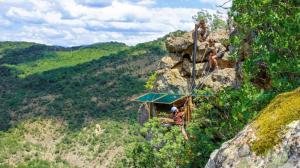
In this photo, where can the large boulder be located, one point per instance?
(219, 36)
(272, 140)
(202, 52)
(179, 44)
(171, 80)
(201, 55)
(218, 79)
(187, 68)
(170, 61)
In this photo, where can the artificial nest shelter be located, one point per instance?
(159, 105)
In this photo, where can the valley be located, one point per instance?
(70, 108)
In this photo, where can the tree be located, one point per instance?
(203, 15)
(214, 21)
(217, 23)
(272, 30)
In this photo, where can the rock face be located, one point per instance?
(284, 113)
(237, 152)
(176, 69)
(179, 44)
(219, 79)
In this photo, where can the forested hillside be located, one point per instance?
(70, 106)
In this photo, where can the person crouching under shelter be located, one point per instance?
(178, 119)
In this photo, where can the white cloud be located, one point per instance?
(77, 22)
(94, 3)
(20, 14)
(4, 22)
(42, 5)
(218, 2)
(146, 2)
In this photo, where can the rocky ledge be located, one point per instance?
(271, 141)
(175, 70)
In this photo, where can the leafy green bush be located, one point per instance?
(158, 146)
(37, 163)
(150, 83)
(271, 28)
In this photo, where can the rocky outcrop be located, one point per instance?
(237, 153)
(175, 70)
(170, 61)
(179, 44)
(219, 79)
(271, 141)
(172, 80)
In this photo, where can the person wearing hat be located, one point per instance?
(174, 109)
(178, 119)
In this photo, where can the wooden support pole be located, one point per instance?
(149, 111)
(189, 109)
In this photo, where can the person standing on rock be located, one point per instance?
(202, 31)
(178, 119)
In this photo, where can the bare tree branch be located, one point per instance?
(222, 6)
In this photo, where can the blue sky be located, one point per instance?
(80, 22)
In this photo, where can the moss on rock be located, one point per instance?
(282, 110)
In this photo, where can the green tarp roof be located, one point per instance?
(149, 97)
(159, 98)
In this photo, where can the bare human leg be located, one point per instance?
(210, 62)
(215, 62)
(184, 133)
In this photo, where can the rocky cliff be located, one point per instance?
(175, 70)
(272, 140)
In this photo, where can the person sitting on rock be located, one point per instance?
(213, 63)
(212, 55)
(202, 31)
(215, 52)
